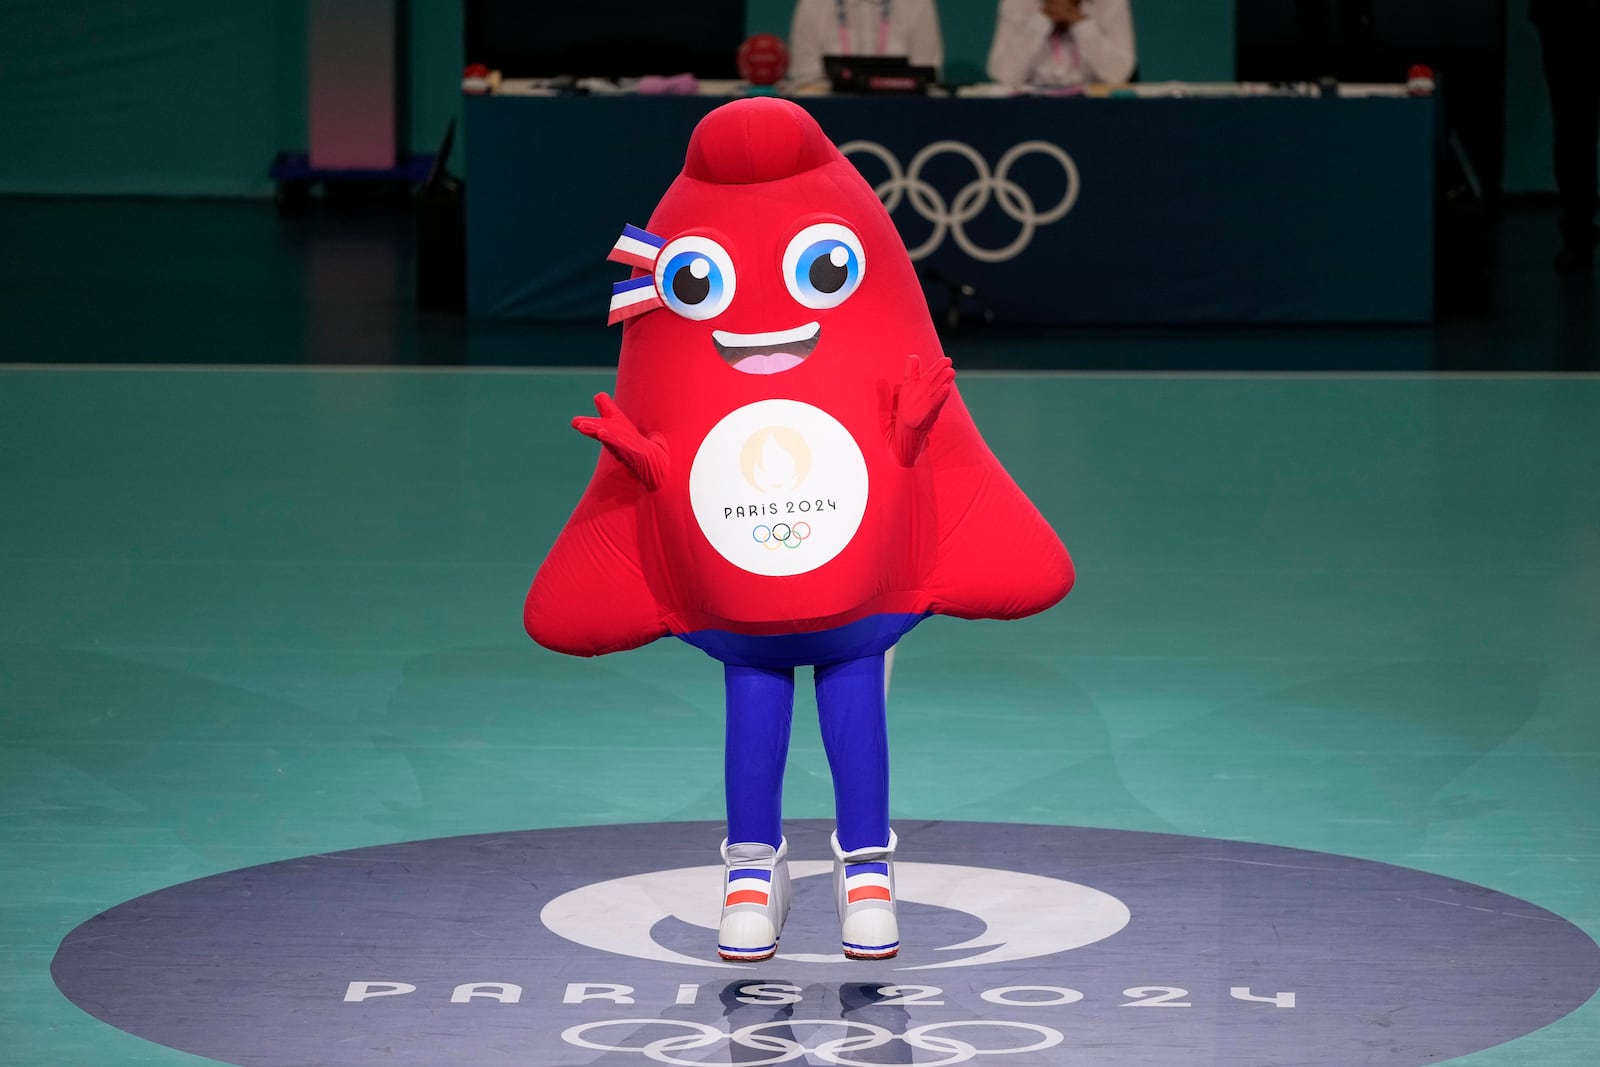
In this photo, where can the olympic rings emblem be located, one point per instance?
(781, 535)
(833, 1051)
(951, 217)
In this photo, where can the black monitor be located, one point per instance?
(605, 38)
(876, 74)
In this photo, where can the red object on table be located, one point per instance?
(763, 59)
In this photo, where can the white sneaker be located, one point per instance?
(755, 900)
(863, 882)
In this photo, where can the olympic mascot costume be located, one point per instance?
(788, 478)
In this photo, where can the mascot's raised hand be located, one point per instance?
(645, 456)
(917, 406)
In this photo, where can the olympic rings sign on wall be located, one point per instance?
(835, 1051)
(950, 217)
(781, 534)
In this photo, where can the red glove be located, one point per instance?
(645, 456)
(917, 407)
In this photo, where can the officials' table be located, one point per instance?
(1171, 206)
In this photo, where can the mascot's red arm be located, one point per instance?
(922, 396)
(645, 457)
(997, 558)
(590, 596)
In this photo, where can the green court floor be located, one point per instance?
(247, 615)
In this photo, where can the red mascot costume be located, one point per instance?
(788, 478)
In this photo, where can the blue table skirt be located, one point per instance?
(1197, 209)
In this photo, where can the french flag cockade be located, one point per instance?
(636, 248)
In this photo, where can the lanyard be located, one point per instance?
(1059, 51)
(842, 6)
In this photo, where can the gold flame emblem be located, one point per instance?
(775, 459)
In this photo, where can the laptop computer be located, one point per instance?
(876, 74)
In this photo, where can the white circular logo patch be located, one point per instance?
(778, 487)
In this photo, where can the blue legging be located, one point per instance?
(855, 736)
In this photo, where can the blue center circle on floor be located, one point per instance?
(1022, 945)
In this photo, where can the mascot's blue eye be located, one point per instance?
(694, 276)
(823, 265)
(826, 268)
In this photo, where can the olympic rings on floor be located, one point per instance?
(784, 1047)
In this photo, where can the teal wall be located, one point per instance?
(179, 97)
(436, 63)
(194, 97)
(1528, 166)
(169, 96)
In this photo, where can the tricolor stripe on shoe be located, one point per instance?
(866, 881)
(748, 885)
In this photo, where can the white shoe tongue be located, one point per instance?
(751, 852)
(768, 362)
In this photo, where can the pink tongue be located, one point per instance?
(765, 363)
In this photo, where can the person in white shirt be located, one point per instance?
(1051, 43)
(862, 28)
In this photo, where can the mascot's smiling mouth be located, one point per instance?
(767, 353)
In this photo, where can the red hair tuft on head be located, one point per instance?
(761, 139)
